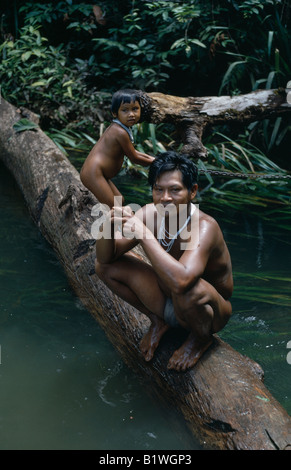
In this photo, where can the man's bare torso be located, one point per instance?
(218, 271)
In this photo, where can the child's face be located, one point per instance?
(129, 113)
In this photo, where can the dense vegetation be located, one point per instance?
(63, 59)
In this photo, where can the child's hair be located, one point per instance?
(171, 161)
(124, 96)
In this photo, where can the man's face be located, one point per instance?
(170, 192)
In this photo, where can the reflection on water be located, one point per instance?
(63, 386)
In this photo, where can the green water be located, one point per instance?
(62, 384)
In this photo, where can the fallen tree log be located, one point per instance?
(223, 398)
(192, 115)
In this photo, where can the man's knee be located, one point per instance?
(197, 296)
(193, 306)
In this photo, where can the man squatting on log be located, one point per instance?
(189, 281)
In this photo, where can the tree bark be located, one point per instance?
(223, 398)
(192, 115)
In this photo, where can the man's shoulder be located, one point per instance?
(208, 220)
(209, 228)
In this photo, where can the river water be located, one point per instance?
(63, 385)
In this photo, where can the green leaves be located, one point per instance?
(32, 71)
(267, 195)
(185, 45)
(266, 287)
(191, 48)
(24, 125)
(150, 39)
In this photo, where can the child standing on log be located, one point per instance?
(106, 158)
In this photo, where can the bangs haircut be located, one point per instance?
(171, 161)
(124, 96)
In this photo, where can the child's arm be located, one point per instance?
(141, 158)
(133, 155)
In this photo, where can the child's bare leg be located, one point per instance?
(103, 189)
(116, 192)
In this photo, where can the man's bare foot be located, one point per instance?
(151, 339)
(188, 354)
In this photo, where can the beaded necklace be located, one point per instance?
(163, 232)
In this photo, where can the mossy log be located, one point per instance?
(223, 398)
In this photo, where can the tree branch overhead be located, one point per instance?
(191, 115)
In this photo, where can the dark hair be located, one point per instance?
(124, 96)
(171, 161)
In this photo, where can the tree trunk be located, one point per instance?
(223, 398)
(192, 115)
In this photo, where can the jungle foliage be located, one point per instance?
(63, 59)
(190, 48)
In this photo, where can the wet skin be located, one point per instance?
(197, 277)
(106, 158)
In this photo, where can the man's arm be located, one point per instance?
(113, 245)
(178, 275)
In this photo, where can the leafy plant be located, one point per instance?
(37, 75)
(71, 141)
(137, 58)
(267, 61)
(257, 287)
(76, 144)
(24, 125)
(184, 48)
(25, 61)
(260, 183)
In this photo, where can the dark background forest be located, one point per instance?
(64, 59)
